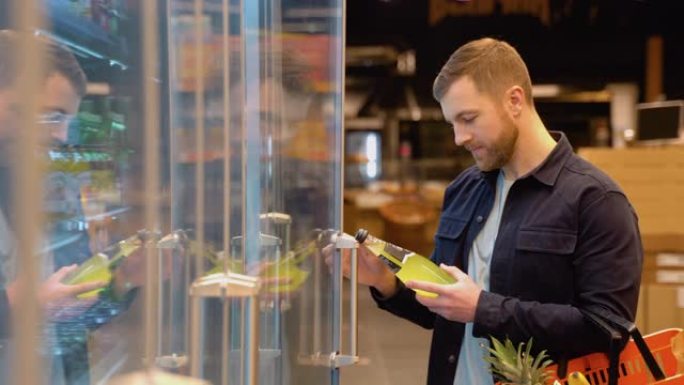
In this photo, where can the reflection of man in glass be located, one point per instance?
(65, 336)
(62, 91)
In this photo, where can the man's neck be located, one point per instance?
(533, 146)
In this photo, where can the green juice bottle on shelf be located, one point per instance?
(406, 265)
(99, 267)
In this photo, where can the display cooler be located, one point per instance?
(200, 181)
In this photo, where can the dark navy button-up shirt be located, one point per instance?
(568, 240)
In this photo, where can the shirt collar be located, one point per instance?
(547, 172)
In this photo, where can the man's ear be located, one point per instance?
(514, 101)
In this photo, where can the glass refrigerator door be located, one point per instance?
(196, 175)
(255, 109)
(76, 187)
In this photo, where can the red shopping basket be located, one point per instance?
(644, 360)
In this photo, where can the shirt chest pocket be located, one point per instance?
(449, 239)
(547, 241)
(543, 263)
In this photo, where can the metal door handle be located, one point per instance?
(343, 242)
(228, 286)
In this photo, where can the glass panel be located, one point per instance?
(310, 72)
(21, 259)
(157, 158)
(88, 196)
(293, 94)
(259, 191)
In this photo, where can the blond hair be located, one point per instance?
(493, 65)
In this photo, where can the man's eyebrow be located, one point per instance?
(464, 112)
(55, 109)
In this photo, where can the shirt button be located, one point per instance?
(452, 359)
(479, 219)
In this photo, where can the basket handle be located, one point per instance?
(609, 322)
(614, 347)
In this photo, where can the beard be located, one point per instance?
(499, 153)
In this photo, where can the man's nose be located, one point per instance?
(59, 132)
(461, 135)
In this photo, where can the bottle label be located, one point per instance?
(397, 252)
(393, 266)
(394, 256)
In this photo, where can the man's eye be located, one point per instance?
(54, 117)
(469, 119)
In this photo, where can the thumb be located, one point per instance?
(62, 273)
(454, 272)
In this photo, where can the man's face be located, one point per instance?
(480, 124)
(57, 105)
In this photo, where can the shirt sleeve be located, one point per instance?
(106, 309)
(403, 304)
(606, 274)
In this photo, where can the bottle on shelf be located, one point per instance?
(405, 264)
(100, 266)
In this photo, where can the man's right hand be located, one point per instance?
(57, 298)
(53, 290)
(371, 270)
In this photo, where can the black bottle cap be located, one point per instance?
(361, 235)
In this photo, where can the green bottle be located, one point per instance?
(405, 264)
(100, 266)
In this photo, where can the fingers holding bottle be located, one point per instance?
(371, 270)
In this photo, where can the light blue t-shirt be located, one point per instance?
(472, 368)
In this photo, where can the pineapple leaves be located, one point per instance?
(516, 365)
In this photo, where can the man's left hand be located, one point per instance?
(455, 302)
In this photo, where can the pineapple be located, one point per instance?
(515, 366)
